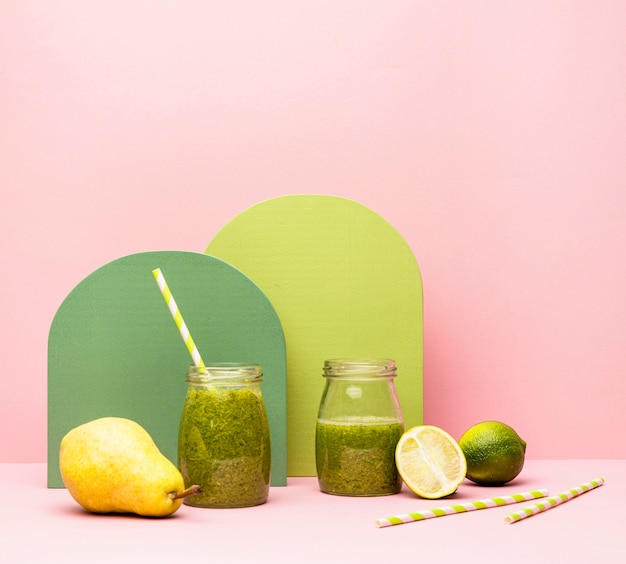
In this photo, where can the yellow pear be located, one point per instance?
(112, 465)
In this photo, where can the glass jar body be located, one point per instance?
(358, 427)
(224, 439)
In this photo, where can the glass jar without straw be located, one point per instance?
(358, 427)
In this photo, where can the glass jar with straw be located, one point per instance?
(224, 438)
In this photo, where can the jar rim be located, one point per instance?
(359, 368)
(225, 371)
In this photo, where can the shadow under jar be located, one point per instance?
(358, 427)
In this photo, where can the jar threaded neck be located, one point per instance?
(360, 368)
(225, 372)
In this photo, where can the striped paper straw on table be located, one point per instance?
(460, 508)
(178, 318)
(553, 501)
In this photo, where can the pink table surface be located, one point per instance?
(300, 524)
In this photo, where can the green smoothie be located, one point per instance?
(224, 446)
(356, 457)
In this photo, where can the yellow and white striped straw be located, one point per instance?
(553, 501)
(460, 508)
(178, 318)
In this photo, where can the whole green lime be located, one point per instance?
(494, 453)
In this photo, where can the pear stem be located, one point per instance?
(191, 490)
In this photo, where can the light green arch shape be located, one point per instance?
(344, 283)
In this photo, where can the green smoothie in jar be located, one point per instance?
(357, 457)
(224, 438)
(359, 424)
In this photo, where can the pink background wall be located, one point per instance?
(490, 134)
